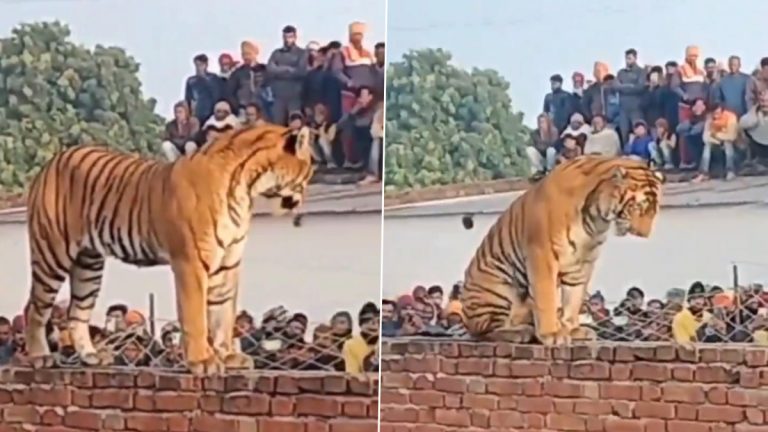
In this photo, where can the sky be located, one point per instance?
(164, 35)
(528, 41)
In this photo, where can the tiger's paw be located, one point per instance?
(43, 361)
(584, 334)
(212, 365)
(522, 334)
(559, 338)
(235, 360)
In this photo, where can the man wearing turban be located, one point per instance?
(246, 84)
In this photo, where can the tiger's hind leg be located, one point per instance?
(508, 321)
(49, 268)
(222, 310)
(85, 280)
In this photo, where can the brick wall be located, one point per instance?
(445, 386)
(145, 400)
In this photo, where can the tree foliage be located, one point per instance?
(55, 93)
(446, 125)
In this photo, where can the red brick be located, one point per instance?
(717, 395)
(619, 391)
(686, 426)
(122, 399)
(55, 396)
(81, 419)
(564, 422)
(624, 425)
(178, 424)
(506, 419)
(355, 409)
(20, 414)
(281, 406)
(593, 407)
(182, 402)
(81, 398)
(686, 411)
(504, 387)
(452, 417)
(590, 370)
(210, 423)
(567, 389)
(399, 414)
(528, 369)
(623, 409)
(535, 404)
(451, 384)
(689, 393)
(486, 402)
(349, 426)
(394, 397)
(476, 366)
(427, 398)
(755, 416)
(743, 397)
(713, 374)
(282, 425)
(245, 403)
(145, 422)
(723, 414)
(654, 410)
(396, 380)
(210, 402)
(317, 405)
(643, 371)
(5, 397)
(52, 416)
(423, 382)
(114, 421)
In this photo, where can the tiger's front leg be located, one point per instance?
(223, 291)
(542, 275)
(573, 300)
(191, 299)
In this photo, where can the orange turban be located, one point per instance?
(250, 46)
(133, 318)
(600, 70)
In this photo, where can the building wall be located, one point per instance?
(149, 400)
(441, 386)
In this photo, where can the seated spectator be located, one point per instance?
(133, 352)
(602, 140)
(172, 354)
(760, 328)
(325, 132)
(755, 126)
(253, 116)
(666, 142)
(637, 297)
(341, 322)
(424, 307)
(690, 132)
(246, 333)
(686, 322)
(542, 152)
(721, 130)
(572, 146)
(642, 145)
(322, 354)
(436, 296)
(180, 133)
(453, 315)
(577, 126)
(390, 323)
(222, 121)
(373, 172)
(360, 352)
(6, 341)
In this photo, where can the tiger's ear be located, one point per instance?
(660, 176)
(619, 175)
(298, 143)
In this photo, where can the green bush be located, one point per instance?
(446, 125)
(54, 93)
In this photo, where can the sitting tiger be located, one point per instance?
(532, 270)
(89, 203)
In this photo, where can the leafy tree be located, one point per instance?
(446, 125)
(54, 93)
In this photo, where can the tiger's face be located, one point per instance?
(286, 182)
(639, 195)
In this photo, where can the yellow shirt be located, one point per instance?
(761, 337)
(685, 324)
(355, 351)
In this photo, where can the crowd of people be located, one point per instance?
(336, 89)
(703, 314)
(675, 117)
(277, 342)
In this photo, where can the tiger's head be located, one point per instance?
(269, 160)
(287, 180)
(637, 194)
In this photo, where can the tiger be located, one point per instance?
(528, 277)
(89, 203)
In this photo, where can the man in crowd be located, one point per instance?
(6, 341)
(202, 90)
(245, 84)
(360, 352)
(732, 88)
(180, 133)
(379, 51)
(559, 104)
(630, 83)
(286, 68)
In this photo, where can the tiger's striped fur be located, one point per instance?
(534, 266)
(89, 203)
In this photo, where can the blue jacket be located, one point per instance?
(732, 92)
(640, 146)
(204, 91)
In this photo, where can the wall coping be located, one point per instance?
(270, 382)
(748, 355)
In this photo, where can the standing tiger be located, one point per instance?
(534, 266)
(89, 203)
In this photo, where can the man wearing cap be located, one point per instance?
(286, 68)
(687, 321)
(245, 84)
